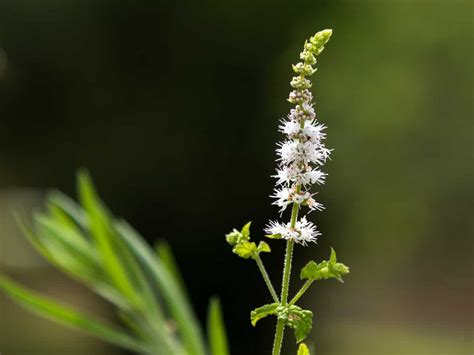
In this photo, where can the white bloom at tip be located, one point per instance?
(303, 233)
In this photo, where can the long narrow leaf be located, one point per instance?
(98, 286)
(68, 316)
(175, 299)
(216, 333)
(101, 232)
(166, 256)
(151, 318)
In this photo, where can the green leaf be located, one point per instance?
(263, 248)
(274, 236)
(301, 321)
(246, 232)
(141, 307)
(101, 231)
(233, 237)
(262, 312)
(68, 316)
(166, 255)
(49, 250)
(333, 258)
(70, 207)
(303, 349)
(310, 271)
(216, 329)
(245, 249)
(174, 297)
(325, 269)
(75, 243)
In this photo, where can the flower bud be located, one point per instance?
(319, 40)
(300, 83)
(233, 237)
(308, 57)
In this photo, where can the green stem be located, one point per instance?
(301, 292)
(266, 278)
(280, 329)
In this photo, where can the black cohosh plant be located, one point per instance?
(94, 247)
(300, 157)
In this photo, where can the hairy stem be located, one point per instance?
(280, 329)
(300, 292)
(266, 278)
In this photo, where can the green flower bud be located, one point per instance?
(308, 57)
(233, 237)
(309, 47)
(302, 68)
(300, 83)
(319, 40)
(340, 269)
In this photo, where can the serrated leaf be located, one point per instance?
(246, 232)
(263, 248)
(303, 349)
(218, 344)
(262, 312)
(310, 271)
(245, 249)
(325, 269)
(301, 321)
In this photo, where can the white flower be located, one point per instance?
(314, 132)
(300, 197)
(312, 177)
(286, 196)
(282, 197)
(288, 151)
(313, 205)
(303, 233)
(300, 155)
(290, 127)
(287, 174)
(302, 152)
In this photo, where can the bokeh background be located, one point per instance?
(173, 107)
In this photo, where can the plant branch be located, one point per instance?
(301, 292)
(262, 269)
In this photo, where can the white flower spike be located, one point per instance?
(302, 153)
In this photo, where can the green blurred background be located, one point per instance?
(173, 107)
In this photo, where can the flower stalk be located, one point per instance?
(266, 278)
(300, 157)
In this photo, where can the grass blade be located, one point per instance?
(101, 231)
(166, 256)
(171, 291)
(68, 316)
(216, 333)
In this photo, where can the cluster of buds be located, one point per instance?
(303, 152)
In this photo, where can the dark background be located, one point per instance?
(174, 107)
